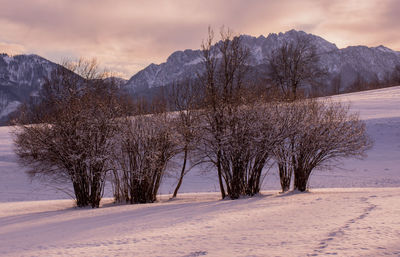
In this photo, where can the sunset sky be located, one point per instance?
(126, 36)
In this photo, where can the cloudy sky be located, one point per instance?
(127, 35)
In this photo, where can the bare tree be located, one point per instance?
(145, 145)
(185, 99)
(238, 132)
(222, 78)
(324, 132)
(250, 135)
(294, 64)
(76, 120)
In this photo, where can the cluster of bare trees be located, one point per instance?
(243, 131)
(84, 128)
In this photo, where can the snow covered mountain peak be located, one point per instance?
(348, 63)
(22, 75)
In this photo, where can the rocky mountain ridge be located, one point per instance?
(22, 75)
(347, 64)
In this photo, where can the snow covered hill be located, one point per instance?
(379, 108)
(356, 214)
(341, 222)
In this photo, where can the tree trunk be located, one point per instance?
(221, 184)
(182, 173)
(300, 180)
(285, 176)
(95, 192)
(81, 188)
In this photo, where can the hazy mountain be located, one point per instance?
(345, 65)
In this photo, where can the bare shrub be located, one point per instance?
(76, 120)
(144, 147)
(250, 135)
(321, 132)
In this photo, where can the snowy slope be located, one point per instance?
(379, 108)
(341, 220)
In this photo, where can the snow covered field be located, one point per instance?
(352, 210)
(343, 222)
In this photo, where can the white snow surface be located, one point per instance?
(351, 210)
(342, 222)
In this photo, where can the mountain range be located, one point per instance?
(346, 65)
(22, 75)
